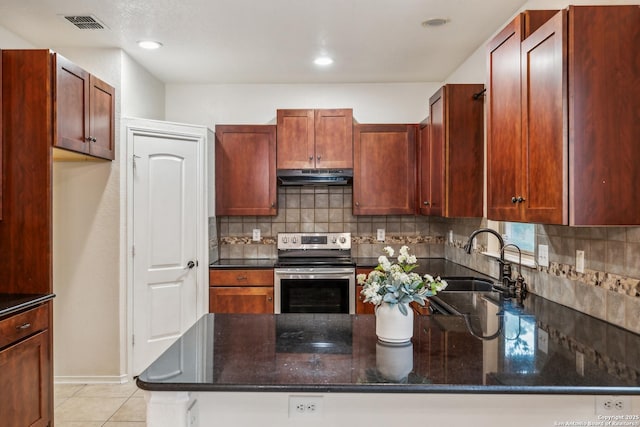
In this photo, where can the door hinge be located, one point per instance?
(133, 250)
(133, 339)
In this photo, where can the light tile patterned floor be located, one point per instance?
(99, 405)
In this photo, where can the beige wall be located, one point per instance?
(89, 308)
(89, 224)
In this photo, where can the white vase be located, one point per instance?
(391, 325)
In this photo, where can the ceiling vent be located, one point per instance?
(86, 22)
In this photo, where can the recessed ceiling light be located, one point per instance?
(323, 61)
(149, 44)
(435, 22)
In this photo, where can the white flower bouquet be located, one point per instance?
(395, 283)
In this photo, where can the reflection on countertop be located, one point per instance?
(538, 347)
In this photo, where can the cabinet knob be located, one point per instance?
(514, 199)
(310, 158)
(426, 203)
(269, 299)
(319, 157)
(357, 204)
(273, 205)
(520, 199)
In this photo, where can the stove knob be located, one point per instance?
(343, 239)
(284, 239)
(294, 239)
(334, 239)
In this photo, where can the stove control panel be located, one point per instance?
(290, 241)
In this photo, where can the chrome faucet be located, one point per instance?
(508, 285)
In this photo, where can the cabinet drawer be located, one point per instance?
(241, 277)
(24, 324)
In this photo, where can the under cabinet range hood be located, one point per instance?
(315, 176)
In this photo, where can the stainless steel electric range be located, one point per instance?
(314, 273)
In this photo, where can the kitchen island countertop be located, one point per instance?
(540, 348)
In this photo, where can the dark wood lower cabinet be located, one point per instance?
(241, 299)
(24, 381)
(241, 291)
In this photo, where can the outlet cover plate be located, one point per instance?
(380, 235)
(543, 255)
(579, 261)
(256, 234)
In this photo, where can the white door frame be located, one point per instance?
(130, 127)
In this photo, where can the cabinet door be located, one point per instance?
(437, 165)
(24, 375)
(504, 156)
(240, 299)
(384, 170)
(71, 106)
(245, 170)
(334, 139)
(296, 133)
(424, 170)
(604, 115)
(102, 119)
(545, 126)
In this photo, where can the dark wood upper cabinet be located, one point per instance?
(450, 153)
(604, 114)
(574, 151)
(504, 116)
(84, 111)
(384, 170)
(315, 139)
(246, 170)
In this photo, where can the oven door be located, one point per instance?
(314, 290)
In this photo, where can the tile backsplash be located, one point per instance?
(608, 289)
(326, 209)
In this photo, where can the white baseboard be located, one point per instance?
(91, 379)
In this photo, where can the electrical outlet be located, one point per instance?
(543, 341)
(380, 235)
(580, 261)
(580, 363)
(543, 255)
(451, 237)
(613, 405)
(305, 406)
(256, 234)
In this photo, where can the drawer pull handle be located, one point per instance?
(24, 326)
(239, 278)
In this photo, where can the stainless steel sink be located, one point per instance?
(467, 284)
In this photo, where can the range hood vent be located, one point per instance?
(315, 176)
(86, 22)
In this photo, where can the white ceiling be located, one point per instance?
(272, 41)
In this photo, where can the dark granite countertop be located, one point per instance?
(11, 303)
(498, 346)
(243, 263)
(434, 266)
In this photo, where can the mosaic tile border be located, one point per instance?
(608, 281)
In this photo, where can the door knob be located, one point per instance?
(190, 265)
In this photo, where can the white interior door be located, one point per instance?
(165, 242)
